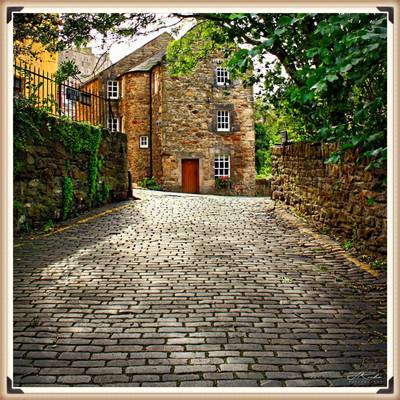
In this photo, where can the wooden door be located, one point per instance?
(190, 176)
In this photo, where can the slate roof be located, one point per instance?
(153, 60)
(148, 64)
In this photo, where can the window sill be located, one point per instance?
(225, 86)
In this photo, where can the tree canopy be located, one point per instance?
(56, 32)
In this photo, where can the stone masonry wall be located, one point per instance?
(343, 199)
(134, 105)
(38, 187)
(186, 129)
(263, 187)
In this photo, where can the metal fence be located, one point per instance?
(78, 101)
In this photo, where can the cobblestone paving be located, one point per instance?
(188, 290)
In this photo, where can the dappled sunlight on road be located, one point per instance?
(192, 288)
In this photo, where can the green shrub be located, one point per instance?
(149, 183)
(347, 245)
(48, 226)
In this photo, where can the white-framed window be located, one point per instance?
(222, 166)
(222, 76)
(144, 142)
(223, 121)
(112, 89)
(112, 124)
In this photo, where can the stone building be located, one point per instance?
(89, 64)
(191, 133)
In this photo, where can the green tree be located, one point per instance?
(266, 135)
(60, 31)
(268, 124)
(35, 28)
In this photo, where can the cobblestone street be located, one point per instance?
(193, 290)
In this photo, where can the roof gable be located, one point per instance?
(140, 56)
(148, 64)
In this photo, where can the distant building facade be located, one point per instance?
(191, 133)
(89, 64)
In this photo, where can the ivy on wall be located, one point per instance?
(81, 137)
(67, 195)
(36, 126)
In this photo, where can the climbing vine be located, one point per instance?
(67, 196)
(81, 137)
(36, 126)
(103, 194)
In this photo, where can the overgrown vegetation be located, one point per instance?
(268, 127)
(264, 139)
(48, 226)
(103, 193)
(379, 264)
(149, 183)
(33, 125)
(67, 196)
(347, 244)
(18, 209)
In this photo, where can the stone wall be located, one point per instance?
(185, 128)
(263, 187)
(343, 199)
(38, 185)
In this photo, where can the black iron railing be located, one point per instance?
(79, 101)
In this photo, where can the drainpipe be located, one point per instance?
(151, 123)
